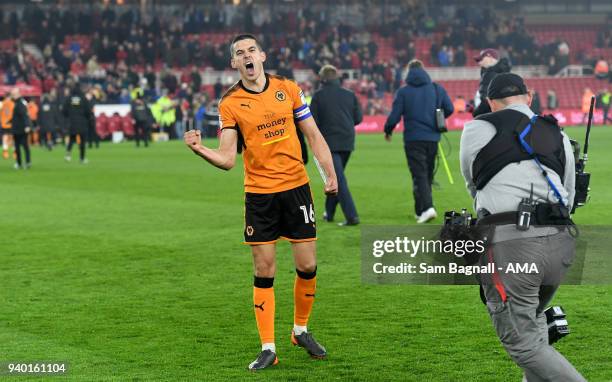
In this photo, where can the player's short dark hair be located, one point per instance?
(240, 37)
(415, 64)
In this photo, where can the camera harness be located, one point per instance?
(534, 156)
(520, 138)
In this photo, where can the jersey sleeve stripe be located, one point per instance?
(303, 116)
(303, 107)
(300, 114)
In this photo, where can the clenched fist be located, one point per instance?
(193, 139)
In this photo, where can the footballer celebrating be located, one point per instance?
(260, 114)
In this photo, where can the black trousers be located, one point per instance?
(141, 132)
(93, 137)
(81, 145)
(344, 196)
(47, 137)
(21, 140)
(421, 156)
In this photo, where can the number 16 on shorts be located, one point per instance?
(309, 215)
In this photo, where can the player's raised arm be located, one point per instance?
(321, 152)
(224, 157)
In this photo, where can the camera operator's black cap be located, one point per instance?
(506, 85)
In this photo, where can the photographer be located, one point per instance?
(417, 103)
(528, 202)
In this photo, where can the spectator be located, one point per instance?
(443, 57)
(218, 89)
(211, 119)
(416, 103)
(460, 59)
(196, 79)
(601, 69)
(459, 104)
(551, 100)
(124, 97)
(180, 117)
(200, 114)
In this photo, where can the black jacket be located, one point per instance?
(336, 111)
(142, 114)
(78, 113)
(20, 120)
(48, 116)
(486, 76)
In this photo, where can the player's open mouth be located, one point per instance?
(250, 68)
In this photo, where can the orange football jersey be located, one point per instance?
(267, 122)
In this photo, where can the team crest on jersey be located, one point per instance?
(280, 96)
(250, 230)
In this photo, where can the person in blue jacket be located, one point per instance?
(417, 103)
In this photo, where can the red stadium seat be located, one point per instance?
(114, 124)
(127, 125)
(102, 126)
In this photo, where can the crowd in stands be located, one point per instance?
(119, 49)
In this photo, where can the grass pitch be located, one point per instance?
(132, 268)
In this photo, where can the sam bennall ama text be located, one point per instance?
(453, 268)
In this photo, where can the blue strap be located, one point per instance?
(530, 151)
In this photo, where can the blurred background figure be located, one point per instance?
(32, 106)
(603, 102)
(460, 105)
(601, 69)
(143, 121)
(551, 100)
(79, 118)
(21, 128)
(48, 120)
(93, 139)
(6, 116)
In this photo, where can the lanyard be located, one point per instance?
(531, 152)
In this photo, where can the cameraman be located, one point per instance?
(500, 181)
